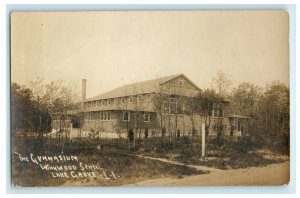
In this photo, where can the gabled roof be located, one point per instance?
(144, 87)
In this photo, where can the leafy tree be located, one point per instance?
(32, 108)
(245, 98)
(22, 108)
(205, 103)
(274, 112)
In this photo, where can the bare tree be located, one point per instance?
(168, 103)
(56, 99)
(222, 83)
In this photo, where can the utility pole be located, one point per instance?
(203, 142)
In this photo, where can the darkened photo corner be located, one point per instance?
(150, 98)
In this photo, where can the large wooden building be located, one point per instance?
(148, 109)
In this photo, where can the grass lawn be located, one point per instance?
(122, 169)
(229, 155)
(126, 169)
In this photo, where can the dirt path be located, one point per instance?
(198, 167)
(275, 174)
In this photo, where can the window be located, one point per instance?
(238, 124)
(180, 83)
(105, 116)
(88, 116)
(173, 108)
(146, 133)
(95, 116)
(103, 102)
(166, 108)
(126, 116)
(139, 98)
(130, 99)
(109, 102)
(179, 108)
(123, 100)
(221, 112)
(148, 96)
(146, 117)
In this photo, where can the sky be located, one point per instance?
(111, 49)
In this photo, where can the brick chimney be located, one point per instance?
(83, 91)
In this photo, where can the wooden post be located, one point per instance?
(203, 141)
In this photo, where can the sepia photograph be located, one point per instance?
(150, 98)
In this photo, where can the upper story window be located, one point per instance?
(180, 83)
(126, 116)
(123, 100)
(108, 101)
(140, 98)
(146, 117)
(130, 99)
(148, 96)
(103, 102)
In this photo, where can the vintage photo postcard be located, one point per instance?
(150, 98)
